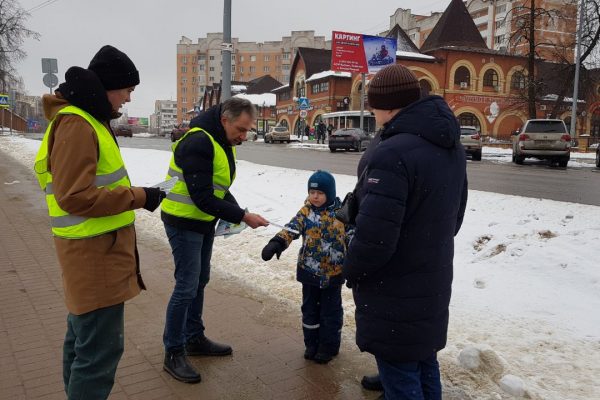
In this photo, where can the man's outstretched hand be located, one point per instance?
(254, 220)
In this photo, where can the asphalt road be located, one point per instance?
(534, 179)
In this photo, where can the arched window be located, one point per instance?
(425, 87)
(462, 77)
(469, 119)
(283, 123)
(518, 81)
(300, 88)
(490, 78)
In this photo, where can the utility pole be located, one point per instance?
(577, 66)
(226, 50)
(362, 100)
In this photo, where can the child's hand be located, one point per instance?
(274, 247)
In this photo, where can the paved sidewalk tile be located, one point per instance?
(267, 361)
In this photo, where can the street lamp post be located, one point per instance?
(577, 66)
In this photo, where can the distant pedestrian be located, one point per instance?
(321, 129)
(91, 201)
(400, 261)
(329, 130)
(319, 268)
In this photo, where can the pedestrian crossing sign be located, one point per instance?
(3, 101)
(303, 103)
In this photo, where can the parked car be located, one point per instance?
(277, 134)
(544, 139)
(470, 138)
(251, 135)
(123, 130)
(349, 139)
(179, 131)
(598, 156)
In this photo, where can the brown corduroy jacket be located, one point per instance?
(103, 270)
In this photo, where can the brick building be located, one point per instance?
(498, 21)
(199, 66)
(485, 88)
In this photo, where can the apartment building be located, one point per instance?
(498, 22)
(164, 118)
(199, 64)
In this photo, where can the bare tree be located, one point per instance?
(527, 19)
(13, 33)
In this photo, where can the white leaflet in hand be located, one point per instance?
(167, 185)
(225, 228)
(285, 228)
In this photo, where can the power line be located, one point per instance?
(41, 5)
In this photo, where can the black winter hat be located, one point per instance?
(393, 87)
(114, 68)
(325, 182)
(83, 89)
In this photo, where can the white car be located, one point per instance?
(470, 138)
(544, 139)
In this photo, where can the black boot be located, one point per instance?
(177, 365)
(203, 346)
(372, 382)
(309, 353)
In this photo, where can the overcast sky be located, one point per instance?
(149, 30)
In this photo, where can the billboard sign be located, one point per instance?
(137, 121)
(357, 53)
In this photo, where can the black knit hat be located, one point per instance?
(393, 87)
(114, 68)
(325, 182)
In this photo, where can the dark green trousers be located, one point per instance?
(91, 352)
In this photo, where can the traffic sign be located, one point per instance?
(303, 103)
(50, 80)
(303, 113)
(3, 101)
(49, 66)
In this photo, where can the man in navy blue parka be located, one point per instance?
(400, 262)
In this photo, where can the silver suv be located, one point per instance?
(544, 139)
(277, 134)
(470, 138)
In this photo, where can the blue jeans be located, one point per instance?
(91, 352)
(418, 380)
(322, 318)
(191, 252)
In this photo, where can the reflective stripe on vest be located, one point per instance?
(178, 201)
(110, 174)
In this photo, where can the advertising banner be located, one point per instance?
(356, 53)
(137, 121)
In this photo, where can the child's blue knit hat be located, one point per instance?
(325, 182)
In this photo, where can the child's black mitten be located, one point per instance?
(275, 247)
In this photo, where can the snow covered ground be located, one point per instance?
(524, 312)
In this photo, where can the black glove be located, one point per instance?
(275, 246)
(153, 198)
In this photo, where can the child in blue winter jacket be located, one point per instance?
(324, 244)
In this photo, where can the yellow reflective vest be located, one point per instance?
(178, 202)
(110, 173)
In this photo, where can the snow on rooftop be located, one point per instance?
(414, 55)
(554, 97)
(265, 99)
(326, 74)
(280, 87)
(238, 88)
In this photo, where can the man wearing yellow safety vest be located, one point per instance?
(204, 163)
(90, 201)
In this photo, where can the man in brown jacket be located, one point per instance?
(91, 203)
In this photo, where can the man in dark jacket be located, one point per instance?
(204, 161)
(399, 264)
